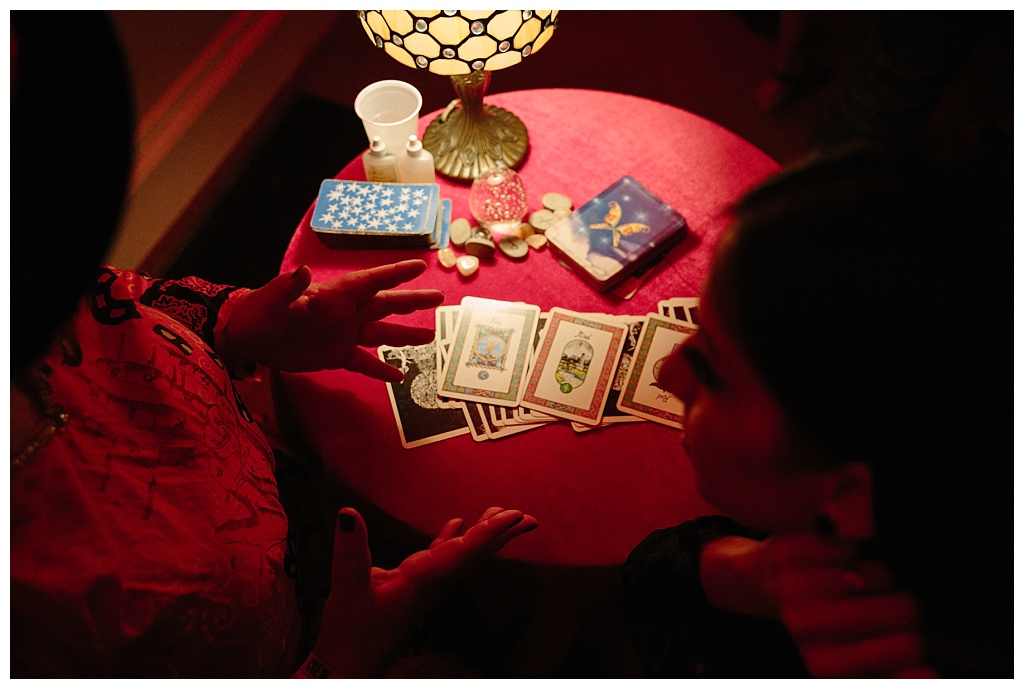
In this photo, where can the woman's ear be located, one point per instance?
(847, 500)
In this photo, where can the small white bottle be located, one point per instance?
(379, 165)
(417, 165)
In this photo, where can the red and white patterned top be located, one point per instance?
(147, 538)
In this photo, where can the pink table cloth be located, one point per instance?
(595, 494)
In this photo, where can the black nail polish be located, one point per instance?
(346, 522)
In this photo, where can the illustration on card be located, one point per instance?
(609, 233)
(490, 349)
(656, 369)
(573, 365)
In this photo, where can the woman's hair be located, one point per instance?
(873, 291)
(71, 152)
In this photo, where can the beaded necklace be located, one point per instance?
(55, 419)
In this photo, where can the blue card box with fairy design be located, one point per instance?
(619, 232)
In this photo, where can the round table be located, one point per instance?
(595, 494)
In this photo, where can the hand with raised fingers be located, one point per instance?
(293, 324)
(843, 612)
(372, 612)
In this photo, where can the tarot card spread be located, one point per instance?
(590, 369)
(575, 366)
(490, 352)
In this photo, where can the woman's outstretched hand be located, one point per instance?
(371, 612)
(293, 324)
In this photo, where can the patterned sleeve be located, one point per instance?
(202, 306)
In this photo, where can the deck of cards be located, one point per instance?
(617, 235)
(381, 215)
(498, 368)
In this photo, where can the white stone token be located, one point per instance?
(562, 213)
(542, 219)
(537, 241)
(513, 247)
(554, 201)
(468, 265)
(481, 247)
(459, 231)
(446, 257)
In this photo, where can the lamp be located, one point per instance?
(467, 45)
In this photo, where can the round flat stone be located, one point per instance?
(467, 265)
(446, 257)
(481, 231)
(542, 219)
(513, 247)
(554, 201)
(481, 247)
(459, 231)
(537, 241)
(562, 213)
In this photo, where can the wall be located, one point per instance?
(207, 85)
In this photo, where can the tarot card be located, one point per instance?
(439, 240)
(643, 395)
(497, 432)
(477, 423)
(496, 418)
(444, 319)
(414, 401)
(681, 308)
(490, 352)
(575, 366)
(612, 413)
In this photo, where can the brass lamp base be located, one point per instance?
(470, 137)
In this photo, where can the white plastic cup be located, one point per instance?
(390, 109)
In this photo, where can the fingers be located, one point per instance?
(454, 555)
(526, 525)
(851, 618)
(397, 302)
(362, 361)
(833, 581)
(874, 657)
(394, 334)
(301, 278)
(350, 569)
(496, 528)
(874, 636)
(490, 512)
(363, 284)
(449, 530)
(284, 289)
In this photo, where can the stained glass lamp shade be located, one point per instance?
(467, 45)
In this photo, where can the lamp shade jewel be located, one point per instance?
(465, 45)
